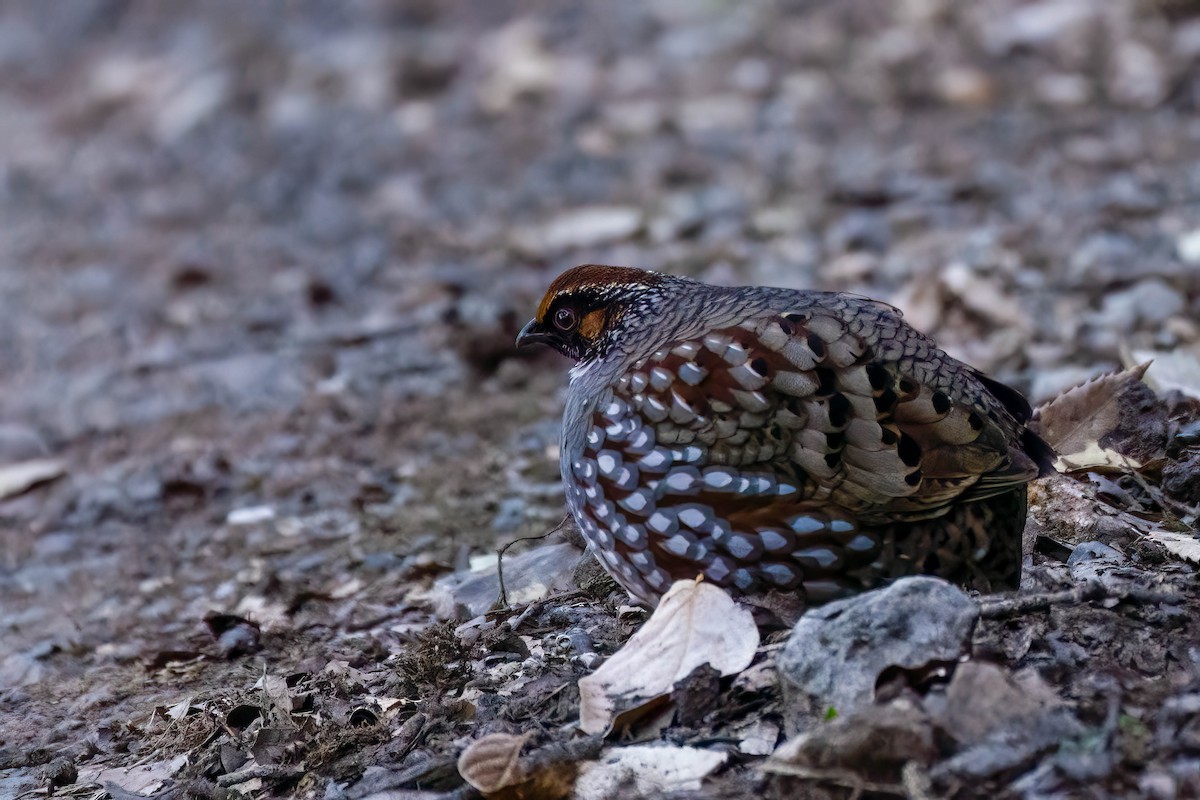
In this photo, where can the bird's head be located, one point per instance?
(587, 307)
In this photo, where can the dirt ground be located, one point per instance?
(261, 265)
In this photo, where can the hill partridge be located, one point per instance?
(772, 439)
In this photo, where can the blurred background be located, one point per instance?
(261, 263)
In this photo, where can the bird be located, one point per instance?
(779, 440)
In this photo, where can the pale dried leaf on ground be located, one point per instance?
(20, 477)
(1095, 457)
(653, 770)
(696, 623)
(145, 779)
(1184, 545)
(1075, 421)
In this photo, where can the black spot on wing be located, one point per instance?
(908, 450)
(941, 402)
(879, 376)
(817, 345)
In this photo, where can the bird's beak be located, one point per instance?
(531, 334)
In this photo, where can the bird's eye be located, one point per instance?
(565, 319)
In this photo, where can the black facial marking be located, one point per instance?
(759, 365)
(817, 345)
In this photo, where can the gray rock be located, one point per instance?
(837, 652)
(1152, 301)
(878, 741)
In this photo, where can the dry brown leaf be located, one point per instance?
(21, 477)
(276, 702)
(1184, 545)
(1075, 421)
(492, 763)
(495, 766)
(695, 623)
(871, 741)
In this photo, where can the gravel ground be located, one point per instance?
(261, 265)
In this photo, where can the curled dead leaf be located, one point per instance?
(1077, 422)
(695, 623)
(492, 763)
(1184, 545)
(21, 477)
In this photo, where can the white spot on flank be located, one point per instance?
(773, 541)
(716, 342)
(694, 518)
(607, 463)
(677, 544)
(717, 479)
(654, 459)
(660, 523)
(739, 546)
(680, 480)
(660, 379)
(692, 374)
(717, 571)
(635, 502)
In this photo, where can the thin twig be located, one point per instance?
(1084, 593)
(502, 600)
